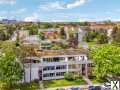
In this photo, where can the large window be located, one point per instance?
(60, 73)
(61, 67)
(49, 75)
(49, 68)
(53, 59)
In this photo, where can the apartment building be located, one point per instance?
(53, 64)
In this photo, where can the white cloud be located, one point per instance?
(55, 5)
(8, 2)
(76, 3)
(62, 5)
(32, 18)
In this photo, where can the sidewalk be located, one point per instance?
(87, 80)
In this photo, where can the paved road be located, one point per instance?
(85, 87)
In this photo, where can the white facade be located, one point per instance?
(54, 67)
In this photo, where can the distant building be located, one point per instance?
(79, 31)
(51, 33)
(7, 21)
(21, 34)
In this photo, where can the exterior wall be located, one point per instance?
(81, 34)
(34, 72)
(56, 69)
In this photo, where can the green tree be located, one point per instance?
(84, 24)
(107, 61)
(102, 38)
(11, 45)
(10, 69)
(56, 47)
(90, 36)
(41, 36)
(62, 33)
(23, 52)
(116, 35)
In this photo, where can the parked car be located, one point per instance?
(106, 86)
(95, 88)
(60, 89)
(75, 88)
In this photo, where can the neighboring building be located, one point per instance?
(53, 64)
(21, 34)
(101, 27)
(32, 39)
(51, 33)
(79, 32)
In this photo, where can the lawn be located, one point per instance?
(95, 81)
(62, 82)
(26, 86)
(91, 44)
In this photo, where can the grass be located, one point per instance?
(63, 82)
(91, 44)
(26, 86)
(95, 81)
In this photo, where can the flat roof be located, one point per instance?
(61, 52)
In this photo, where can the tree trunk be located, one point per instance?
(30, 68)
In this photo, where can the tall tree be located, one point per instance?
(62, 33)
(10, 69)
(107, 61)
(26, 51)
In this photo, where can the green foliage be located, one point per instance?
(10, 69)
(8, 45)
(41, 36)
(69, 76)
(84, 24)
(98, 37)
(62, 33)
(90, 36)
(107, 61)
(116, 35)
(102, 38)
(6, 31)
(56, 47)
(46, 25)
(26, 86)
(63, 83)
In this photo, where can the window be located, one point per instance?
(60, 73)
(49, 68)
(49, 75)
(61, 67)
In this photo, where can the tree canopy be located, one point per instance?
(107, 61)
(10, 68)
(116, 35)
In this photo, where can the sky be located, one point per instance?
(60, 10)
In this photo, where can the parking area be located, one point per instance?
(83, 87)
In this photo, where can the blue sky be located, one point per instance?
(60, 10)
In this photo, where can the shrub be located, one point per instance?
(69, 76)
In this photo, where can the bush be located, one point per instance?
(69, 76)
